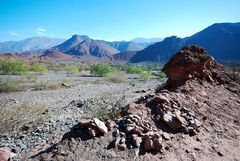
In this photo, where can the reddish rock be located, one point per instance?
(5, 154)
(161, 99)
(148, 144)
(85, 122)
(193, 62)
(110, 124)
(157, 144)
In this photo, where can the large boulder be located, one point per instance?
(193, 62)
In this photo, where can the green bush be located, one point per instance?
(145, 75)
(100, 69)
(72, 68)
(14, 67)
(39, 68)
(134, 70)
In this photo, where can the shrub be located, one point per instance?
(100, 69)
(117, 77)
(145, 75)
(72, 68)
(14, 67)
(39, 68)
(134, 70)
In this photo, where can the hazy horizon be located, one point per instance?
(111, 20)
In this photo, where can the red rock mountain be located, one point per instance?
(84, 46)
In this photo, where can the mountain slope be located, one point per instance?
(30, 44)
(220, 40)
(123, 46)
(84, 46)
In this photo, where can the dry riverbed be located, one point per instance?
(49, 105)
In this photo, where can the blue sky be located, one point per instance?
(112, 19)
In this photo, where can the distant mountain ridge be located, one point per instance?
(221, 40)
(123, 46)
(30, 44)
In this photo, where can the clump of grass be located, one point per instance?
(109, 114)
(32, 78)
(11, 85)
(14, 116)
(11, 66)
(39, 68)
(47, 85)
(117, 77)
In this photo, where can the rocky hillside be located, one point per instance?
(30, 44)
(220, 40)
(184, 119)
(84, 46)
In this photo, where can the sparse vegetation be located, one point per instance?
(14, 67)
(39, 68)
(134, 70)
(145, 75)
(105, 115)
(117, 77)
(47, 85)
(14, 116)
(100, 69)
(72, 68)
(11, 85)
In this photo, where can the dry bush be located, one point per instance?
(117, 77)
(14, 116)
(11, 85)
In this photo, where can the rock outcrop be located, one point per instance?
(193, 62)
(184, 118)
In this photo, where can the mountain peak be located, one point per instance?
(80, 37)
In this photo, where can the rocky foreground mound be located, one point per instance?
(194, 116)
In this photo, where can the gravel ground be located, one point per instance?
(62, 108)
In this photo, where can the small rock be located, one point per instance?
(85, 122)
(100, 125)
(172, 121)
(137, 141)
(110, 124)
(161, 99)
(220, 153)
(148, 144)
(122, 146)
(157, 144)
(166, 136)
(91, 132)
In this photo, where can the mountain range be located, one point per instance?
(30, 44)
(221, 40)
